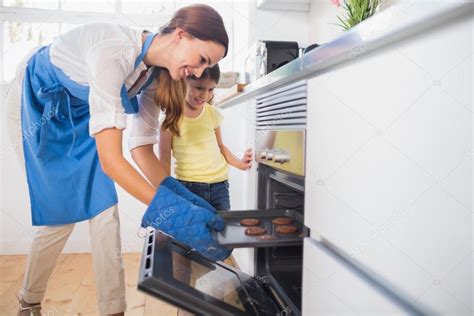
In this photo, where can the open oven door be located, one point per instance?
(170, 272)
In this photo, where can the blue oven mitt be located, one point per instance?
(178, 188)
(187, 222)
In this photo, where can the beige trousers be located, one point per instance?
(49, 241)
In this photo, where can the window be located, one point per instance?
(22, 37)
(164, 8)
(31, 4)
(25, 24)
(88, 5)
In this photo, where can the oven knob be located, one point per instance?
(281, 157)
(270, 155)
(263, 154)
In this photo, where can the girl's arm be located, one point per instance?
(243, 164)
(109, 148)
(166, 139)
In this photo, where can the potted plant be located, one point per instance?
(356, 11)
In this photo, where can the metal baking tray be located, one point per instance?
(233, 235)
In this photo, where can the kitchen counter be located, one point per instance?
(394, 24)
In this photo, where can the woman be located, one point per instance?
(75, 95)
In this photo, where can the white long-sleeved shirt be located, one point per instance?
(102, 56)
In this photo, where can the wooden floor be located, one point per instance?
(71, 288)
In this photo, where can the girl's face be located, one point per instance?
(199, 92)
(191, 55)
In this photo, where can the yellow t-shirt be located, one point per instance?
(197, 154)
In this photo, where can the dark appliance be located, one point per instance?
(271, 55)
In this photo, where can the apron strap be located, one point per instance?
(146, 46)
(153, 75)
(131, 104)
(127, 103)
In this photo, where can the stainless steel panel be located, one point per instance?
(282, 149)
(347, 46)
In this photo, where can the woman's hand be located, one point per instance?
(188, 218)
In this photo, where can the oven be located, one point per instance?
(281, 189)
(280, 153)
(183, 278)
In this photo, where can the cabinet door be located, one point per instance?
(331, 288)
(389, 159)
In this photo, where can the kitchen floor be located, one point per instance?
(71, 289)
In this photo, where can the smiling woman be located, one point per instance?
(75, 94)
(200, 47)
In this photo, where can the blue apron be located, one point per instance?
(65, 180)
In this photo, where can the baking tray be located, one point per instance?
(233, 235)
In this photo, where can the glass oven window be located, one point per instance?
(214, 281)
(170, 272)
(285, 197)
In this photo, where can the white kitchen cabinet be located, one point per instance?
(238, 133)
(389, 162)
(329, 288)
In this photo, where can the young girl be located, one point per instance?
(75, 94)
(201, 157)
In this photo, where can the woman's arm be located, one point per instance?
(166, 139)
(144, 133)
(242, 164)
(152, 168)
(109, 148)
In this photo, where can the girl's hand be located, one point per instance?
(245, 162)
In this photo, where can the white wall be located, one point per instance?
(278, 25)
(238, 133)
(16, 230)
(321, 18)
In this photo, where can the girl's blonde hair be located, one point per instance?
(170, 96)
(204, 23)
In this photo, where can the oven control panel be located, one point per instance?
(276, 155)
(281, 149)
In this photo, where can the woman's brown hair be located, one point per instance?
(204, 23)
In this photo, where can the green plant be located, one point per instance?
(356, 11)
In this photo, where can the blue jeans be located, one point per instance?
(217, 194)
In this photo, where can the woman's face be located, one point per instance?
(191, 55)
(198, 92)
